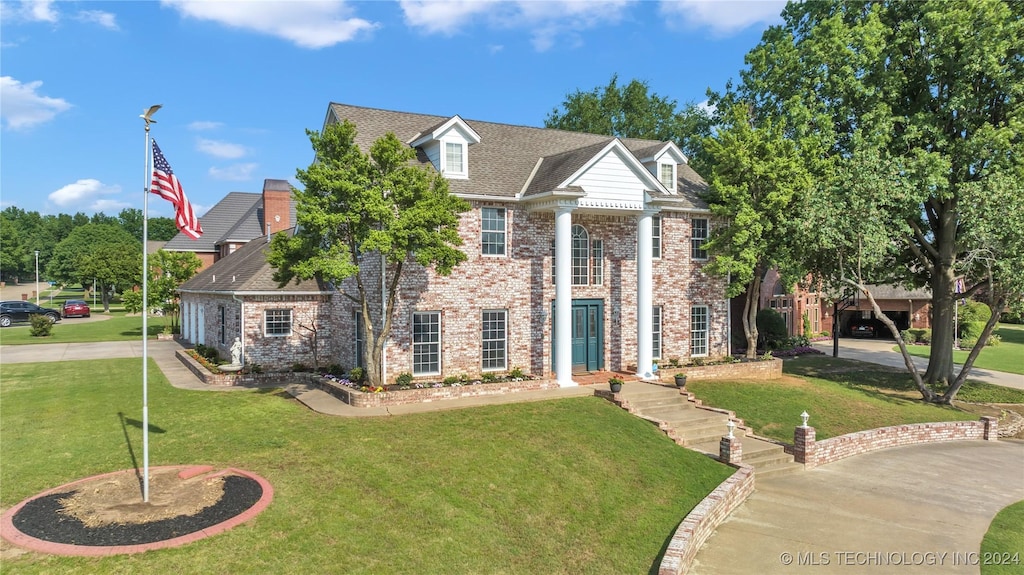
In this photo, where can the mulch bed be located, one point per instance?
(45, 518)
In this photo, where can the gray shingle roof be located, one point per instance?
(502, 162)
(246, 270)
(237, 209)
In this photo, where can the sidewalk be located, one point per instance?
(880, 351)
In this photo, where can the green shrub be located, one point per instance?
(923, 335)
(517, 373)
(336, 370)
(908, 336)
(464, 378)
(357, 374)
(404, 378)
(771, 328)
(300, 367)
(132, 301)
(450, 380)
(41, 325)
(807, 325)
(993, 340)
(208, 353)
(489, 377)
(972, 330)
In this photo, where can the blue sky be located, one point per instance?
(240, 82)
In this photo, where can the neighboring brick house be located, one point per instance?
(237, 219)
(589, 235)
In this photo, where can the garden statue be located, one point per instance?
(236, 352)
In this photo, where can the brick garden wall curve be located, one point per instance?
(761, 370)
(812, 453)
(702, 521)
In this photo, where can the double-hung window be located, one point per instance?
(698, 236)
(699, 330)
(656, 237)
(667, 175)
(597, 263)
(277, 322)
(426, 343)
(656, 332)
(494, 339)
(454, 160)
(492, 235)
(221, 325)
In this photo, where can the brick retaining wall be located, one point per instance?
(242, 379)
(813, 453)
(702, 521)
(760, 370)
(357, 398)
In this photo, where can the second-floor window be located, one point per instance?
(697, 239)
(667, 175)
(454, 163)
(492, 235)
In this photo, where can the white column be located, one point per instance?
(644, 296)
(563, 296)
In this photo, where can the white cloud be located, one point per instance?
(220, 149)
(82, 192)
(201, 125)
(308, 24)
(235, 173)
(23, 107)
(550, 21)
(31, 11)
(105, 19)
(723, 17)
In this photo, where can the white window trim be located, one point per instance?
(266, 331)
(656, 238)
(464, 173)
(504, 232)
(671, 186)
(658, 322)
(704, 240)
(706, 331)
(438, 344)
(504, 341)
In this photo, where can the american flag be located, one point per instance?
(166, 185)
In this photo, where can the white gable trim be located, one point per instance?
(649, 181)
(454, 123)
(670, 149)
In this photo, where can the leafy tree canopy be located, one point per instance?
(102, 252)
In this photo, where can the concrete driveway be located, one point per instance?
(917, 509)
(880, 351)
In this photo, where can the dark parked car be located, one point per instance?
(18, 311)
(864, 328)
(76, 308)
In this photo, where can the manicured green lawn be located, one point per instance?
(1007, 356)
(73, 330)
(841, 396)
(567, 486)
(1002, 548)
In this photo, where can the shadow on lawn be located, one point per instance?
(891, 385)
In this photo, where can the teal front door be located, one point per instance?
(587, 334)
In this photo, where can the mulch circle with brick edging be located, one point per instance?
(40, 524)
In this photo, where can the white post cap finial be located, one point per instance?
(804, 416)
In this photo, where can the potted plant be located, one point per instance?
(616, 384)
(680, 380)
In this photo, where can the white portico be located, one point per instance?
(612, 183)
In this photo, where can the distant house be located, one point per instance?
(595, 237)
(237, 219)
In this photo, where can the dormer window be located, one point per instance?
(454, 159)
(667, 175)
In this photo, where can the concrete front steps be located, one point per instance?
(700, 429)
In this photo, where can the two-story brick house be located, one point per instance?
(596, 237)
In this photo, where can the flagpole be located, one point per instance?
(147, 116)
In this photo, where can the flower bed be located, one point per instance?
(762, 369)
(358, 395)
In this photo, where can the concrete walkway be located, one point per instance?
(917, 509)
(880, 351)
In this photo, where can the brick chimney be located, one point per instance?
(277, 199)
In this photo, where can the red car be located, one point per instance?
(75, 308)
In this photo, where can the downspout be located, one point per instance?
(728, 315)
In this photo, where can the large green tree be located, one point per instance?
(168, 270)
(756, 180)
(918, 106)
(359, 208)
(631, 111)
(101, 252)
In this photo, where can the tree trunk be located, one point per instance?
(940, 358)
(750, 313)
(998, 307)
